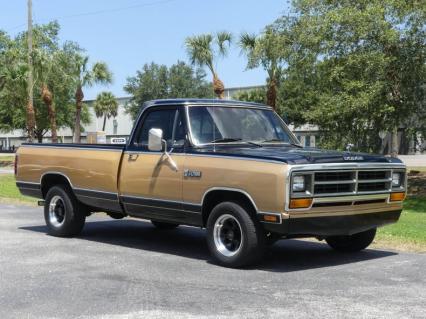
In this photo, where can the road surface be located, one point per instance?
(128, 269)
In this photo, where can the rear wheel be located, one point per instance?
(63, 214)
(352, 243)
(234, 238)
(163, 225)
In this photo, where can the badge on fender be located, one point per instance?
(189, 173)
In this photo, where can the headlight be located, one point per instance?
(298, 183)
(396, 179)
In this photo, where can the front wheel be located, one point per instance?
(234, 238)
(352, 243)
(63, 214)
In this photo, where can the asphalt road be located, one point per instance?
(128, 269)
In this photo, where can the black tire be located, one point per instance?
(116, 215)
(164, 225)
(234, 238)
(67, 218)
(352, 243)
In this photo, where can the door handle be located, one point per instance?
(133, 157)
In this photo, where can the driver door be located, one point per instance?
(149, 185)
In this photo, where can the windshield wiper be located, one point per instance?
(226, 140)
(282, 142)
(234, 139)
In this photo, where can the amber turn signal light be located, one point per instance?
(397, 197)
(270, 218)
(300, 203)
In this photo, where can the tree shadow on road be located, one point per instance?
(189, 242)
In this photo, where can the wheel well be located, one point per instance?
(50, 180)
(214, 197)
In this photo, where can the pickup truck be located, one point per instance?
(231, 167)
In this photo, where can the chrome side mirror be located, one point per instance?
(155, 139)
(156, 143)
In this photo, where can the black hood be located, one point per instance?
(292, 154)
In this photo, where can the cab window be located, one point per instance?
(170, 121)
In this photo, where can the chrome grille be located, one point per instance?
(352, 182)
(323, 183)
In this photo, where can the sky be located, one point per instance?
(126, 34)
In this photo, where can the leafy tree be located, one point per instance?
(86, 77)
(105, 105)
(47, 68)
(256, 95)
(357, 68)
(156, 81)
(204, 50)
(13, 80)
(53, 81)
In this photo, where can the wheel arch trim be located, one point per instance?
(45, 174)
(229, 189)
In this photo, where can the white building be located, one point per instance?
(119, 126)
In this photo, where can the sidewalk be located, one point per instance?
(413, 160)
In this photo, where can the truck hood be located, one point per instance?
(293, 155)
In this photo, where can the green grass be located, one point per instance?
(10, 193)
(409, 233)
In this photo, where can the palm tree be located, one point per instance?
(98, 74)
(106, 105)
(45, 65)
(202, 53)
(265, 50)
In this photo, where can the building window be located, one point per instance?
(115, 124)
(307, 141)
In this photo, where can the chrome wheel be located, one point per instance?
(56, 211)
(227, 235)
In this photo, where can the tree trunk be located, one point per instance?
(271, 94)
(218, 87)
(30, 121)
(79, 96)
(103, 127)
(39, 136)
(46, 96)
(394, 143)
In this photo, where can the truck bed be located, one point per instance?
(91, 170)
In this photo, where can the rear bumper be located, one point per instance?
(333, 225)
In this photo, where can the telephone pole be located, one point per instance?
(30, 105)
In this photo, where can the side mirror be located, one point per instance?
(155, 139)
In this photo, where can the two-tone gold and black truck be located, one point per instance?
(231, 167)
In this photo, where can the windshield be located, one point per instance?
(216, 124)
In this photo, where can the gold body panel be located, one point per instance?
(150, 175)
(85, 168)
(262, 181)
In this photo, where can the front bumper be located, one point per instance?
(333, 225)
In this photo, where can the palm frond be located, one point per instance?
(199, 49)
(101, 73)
(224, 40)
(247, 41)
(105, 105)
